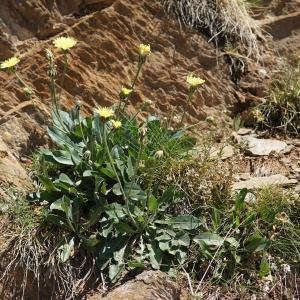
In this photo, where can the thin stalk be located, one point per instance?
(140, 64)
(80, 126)
(117, 176)
(21, 81)
(125, 100)
(136, 167)
(190, 95)
(63, 76)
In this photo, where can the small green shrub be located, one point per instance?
(281, 111)
(279, 218)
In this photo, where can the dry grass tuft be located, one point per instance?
(225, 21)
(30, 265)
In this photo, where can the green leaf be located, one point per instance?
(57, 220)
(215, 218)
(181, 239)
(257, 243)
(167, 196)
(60, 138)
(63, 204)
(115, 271)
(152, 204)
(130, 169)
(89, 242)
(240, 199)
(155, 255)
(184, 222)
(48, 184)
(94, 217)
(75, 157)
(115, 211)
(66, 249)
(117, 190)
(120, 254)
(88, 173)
(264, 267)
(66, 179)
(108, 172)
(209, 239)
(58, 156)
(136, 265)
(134, 191)
(124, 228)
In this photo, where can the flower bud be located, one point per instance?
(159, 154)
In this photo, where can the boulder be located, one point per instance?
(262, 147)
(261, 182)
(149, 285)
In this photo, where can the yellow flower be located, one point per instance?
(144, 50)
(116, 124)
(194, 81)
(64, 43)
(10, 63)
(125, 91)
(105, 112)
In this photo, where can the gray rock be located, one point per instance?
(146, 286)
(223, 152)
(261, 147)
(244, 131)
(244, 176)
(260, 182)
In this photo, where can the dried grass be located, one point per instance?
(225, 21)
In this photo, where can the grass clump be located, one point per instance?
(226, 22)
(281, 111)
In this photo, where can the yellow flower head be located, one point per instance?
(105, 112)
(125, 91)
(10, 63)
(64, 43)
(116, 124)
(194, 81)
(144, 50)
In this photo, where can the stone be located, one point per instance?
(222, 152)
(12, 174)
(288, 149)
(296, 169)
(262, 147)
(244, 176)
(244, 131)
(250, 198)
(149, 285)
(260, 182)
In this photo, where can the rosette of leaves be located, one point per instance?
(83, 189)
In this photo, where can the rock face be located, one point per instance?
(150, 285)
(12, 174)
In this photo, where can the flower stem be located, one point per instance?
(117, 176)
(139, 68)
(186, 104)
(63, 76)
